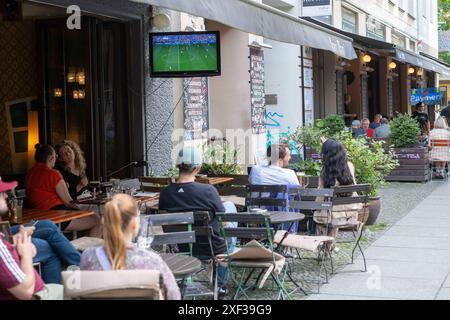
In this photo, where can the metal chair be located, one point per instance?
(154, 184)
(310, 200)
(443, 151)
(251, 256)
(350, 195)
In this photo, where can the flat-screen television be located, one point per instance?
(184, 54)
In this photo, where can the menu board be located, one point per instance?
(258, 96)
(195, 108)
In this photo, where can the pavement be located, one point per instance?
(411, 260)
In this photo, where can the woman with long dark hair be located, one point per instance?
(337, 170)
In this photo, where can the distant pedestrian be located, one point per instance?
(376, 122)
(383, 131)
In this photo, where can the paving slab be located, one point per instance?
(420, 232)
(416, 222)
(315, 297)
(383, 287)
(444, 294)
(398, 269)
(408, 255)
(397, 241)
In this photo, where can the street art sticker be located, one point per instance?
(258, 96)
(275, 134)
(195, 108)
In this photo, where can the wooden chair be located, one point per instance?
(112, 285)
(154, 184)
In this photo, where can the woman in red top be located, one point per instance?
(365, 124)
(46, 189)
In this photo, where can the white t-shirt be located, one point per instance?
(272, 175)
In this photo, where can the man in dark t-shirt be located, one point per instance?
(422, 118)
(186, 195)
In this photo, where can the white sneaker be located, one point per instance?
(336, 250)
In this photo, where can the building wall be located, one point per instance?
(18, 75)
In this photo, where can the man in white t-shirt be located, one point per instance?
(276, 173)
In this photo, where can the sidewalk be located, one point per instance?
(410, 261)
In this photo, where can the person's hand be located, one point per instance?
(84, 181)
(25, 248)
(72, 205)
(29, 230)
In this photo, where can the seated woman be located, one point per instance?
(121, 225)
(46, 189)
(336, 171)
(72, 165)
(441, 155)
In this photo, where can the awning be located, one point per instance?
(422, 61)
(263, 20)
(384, 48)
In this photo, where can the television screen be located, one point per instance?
(185, 54)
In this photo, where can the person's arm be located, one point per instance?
(25, 274)
(352, 171)
(83, 183)
(63, 194)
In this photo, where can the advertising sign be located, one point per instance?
(317, 8)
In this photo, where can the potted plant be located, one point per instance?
(220, 160)
(372, 165)
(413, 157)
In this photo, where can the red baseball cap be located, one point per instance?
(7, 186)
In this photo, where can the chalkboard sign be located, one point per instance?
(195, 108)
(258, 99)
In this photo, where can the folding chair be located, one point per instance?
(252, 255)
(439, 148)
(348, 196)
(154, 184)
(311, 200)
(112, 285)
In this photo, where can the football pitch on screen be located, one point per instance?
(198, 57)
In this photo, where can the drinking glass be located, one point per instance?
(146, 234)
(17, 209)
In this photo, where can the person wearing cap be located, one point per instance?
(357, 131)
(53, 248)
(186, 195)
(18, 278)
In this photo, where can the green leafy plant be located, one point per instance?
(307, 136)
(404, 131)
(173, 173)
(310, 167)
(220, 160)
(331, 126)
(372, 163)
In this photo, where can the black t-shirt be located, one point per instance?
(72, 179)
(423, 119)
(196, 196)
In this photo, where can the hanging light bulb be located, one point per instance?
(76, 95)
(57, 92)
(71, 77)
(81, 78)
(81, 94)
(392, 65)
(420, 72)
(367, 58)
(411, 70)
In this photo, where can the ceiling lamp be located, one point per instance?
(392, 65)
(71, 77)
(57, 92)
(411, 70)
(420, 72)
(367, 58)
(81, 78)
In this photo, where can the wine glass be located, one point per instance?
(146, 234)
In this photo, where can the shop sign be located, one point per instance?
(317, 8)
(429, 96)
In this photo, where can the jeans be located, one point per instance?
(53, 248)
(222, 272)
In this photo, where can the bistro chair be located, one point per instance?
(112, 285)
(351, 196)
(439, 148)
(252, 255)
(310, 200)
(154, 184)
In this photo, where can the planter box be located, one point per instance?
(414, 165)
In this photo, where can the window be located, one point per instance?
(412, 45)
(325, 19)
(398, 39)
(349, 21)
(375, 29)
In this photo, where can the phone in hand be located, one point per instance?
(32, 223)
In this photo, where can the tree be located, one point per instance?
(445, 56)
(444, 15)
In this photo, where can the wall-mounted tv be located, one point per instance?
(184, 54)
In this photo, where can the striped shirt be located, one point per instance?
(10, 273)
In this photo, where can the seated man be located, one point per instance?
(186, 194)
(18, 279)
(357, 131)
(276, 172)
(52, 246)
(383, 131)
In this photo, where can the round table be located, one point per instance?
(281, 217)
(181, 265)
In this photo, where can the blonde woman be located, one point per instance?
(72, 165)
(441, 155)
(120, 226)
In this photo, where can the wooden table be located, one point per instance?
(238, 201)
(56, 216)
(214, 180)
(150, 201)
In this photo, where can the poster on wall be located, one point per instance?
(195, 99)
(257, 92)
(429, 96)
(317, 8)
